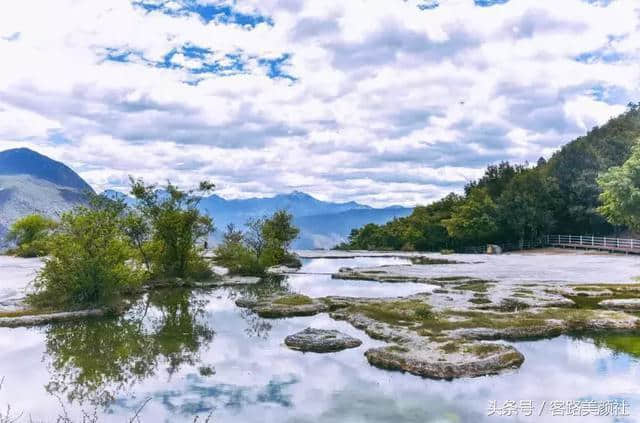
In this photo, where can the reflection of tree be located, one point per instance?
(271, 285)
(96, 359)
(619, 342)
(257, 327)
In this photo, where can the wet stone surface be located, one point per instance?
(321, 340)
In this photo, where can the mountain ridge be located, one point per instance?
(33, 183)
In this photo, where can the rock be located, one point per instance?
(494, 249)
(321, 340)
(41, 319)
(425, 360)
(621, 304)
(227, 280)
(284, 306)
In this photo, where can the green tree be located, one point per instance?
(474, 220)
(88, 263)
(279, 232)
(265, 243)
(176, 225)
(620, 195)
(235, 254)
(30, 235)
(525, 210)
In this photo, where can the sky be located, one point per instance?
(382, 102)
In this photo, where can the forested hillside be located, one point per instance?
(513, 203)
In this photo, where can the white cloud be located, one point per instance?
(390, 104)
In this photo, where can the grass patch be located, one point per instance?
(293, 300)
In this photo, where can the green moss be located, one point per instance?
(293, 300)
(430, 260)
(451, 278)
(511, 304)
(476, 285)
(450, 347)
(400, 312)
(480, 299)
(397, 348)
(482, 349)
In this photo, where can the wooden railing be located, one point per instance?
(594, 242)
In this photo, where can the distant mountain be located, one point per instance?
(323, 224)
(22, 161)
(327, 230)
(33, 183)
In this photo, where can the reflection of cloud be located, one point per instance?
(198, 397)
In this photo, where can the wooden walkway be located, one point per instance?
(618, 245)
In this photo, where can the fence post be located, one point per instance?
(580, 239)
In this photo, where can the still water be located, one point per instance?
(194, 353)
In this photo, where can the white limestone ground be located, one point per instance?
(543, 266)
(16, 277)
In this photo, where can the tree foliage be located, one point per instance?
(88, 258)
(166, 228)
(265, 243)
(30, 235)
(621, 192)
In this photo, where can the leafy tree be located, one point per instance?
(279, 232)
(88, 259)
(30, 235)
(236, 255)
(525, 210)
(176, 226)
(474, 220)
(266, 243)
(621, 192)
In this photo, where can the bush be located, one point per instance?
(30, 235)
(89, 260)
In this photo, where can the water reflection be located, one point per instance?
(195, 352)
(95, 360)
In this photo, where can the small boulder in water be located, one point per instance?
(321, 340)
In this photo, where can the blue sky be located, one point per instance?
(382, 102)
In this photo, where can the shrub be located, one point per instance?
(88, 263)
(30, 235)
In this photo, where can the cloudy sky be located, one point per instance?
(379, 101)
